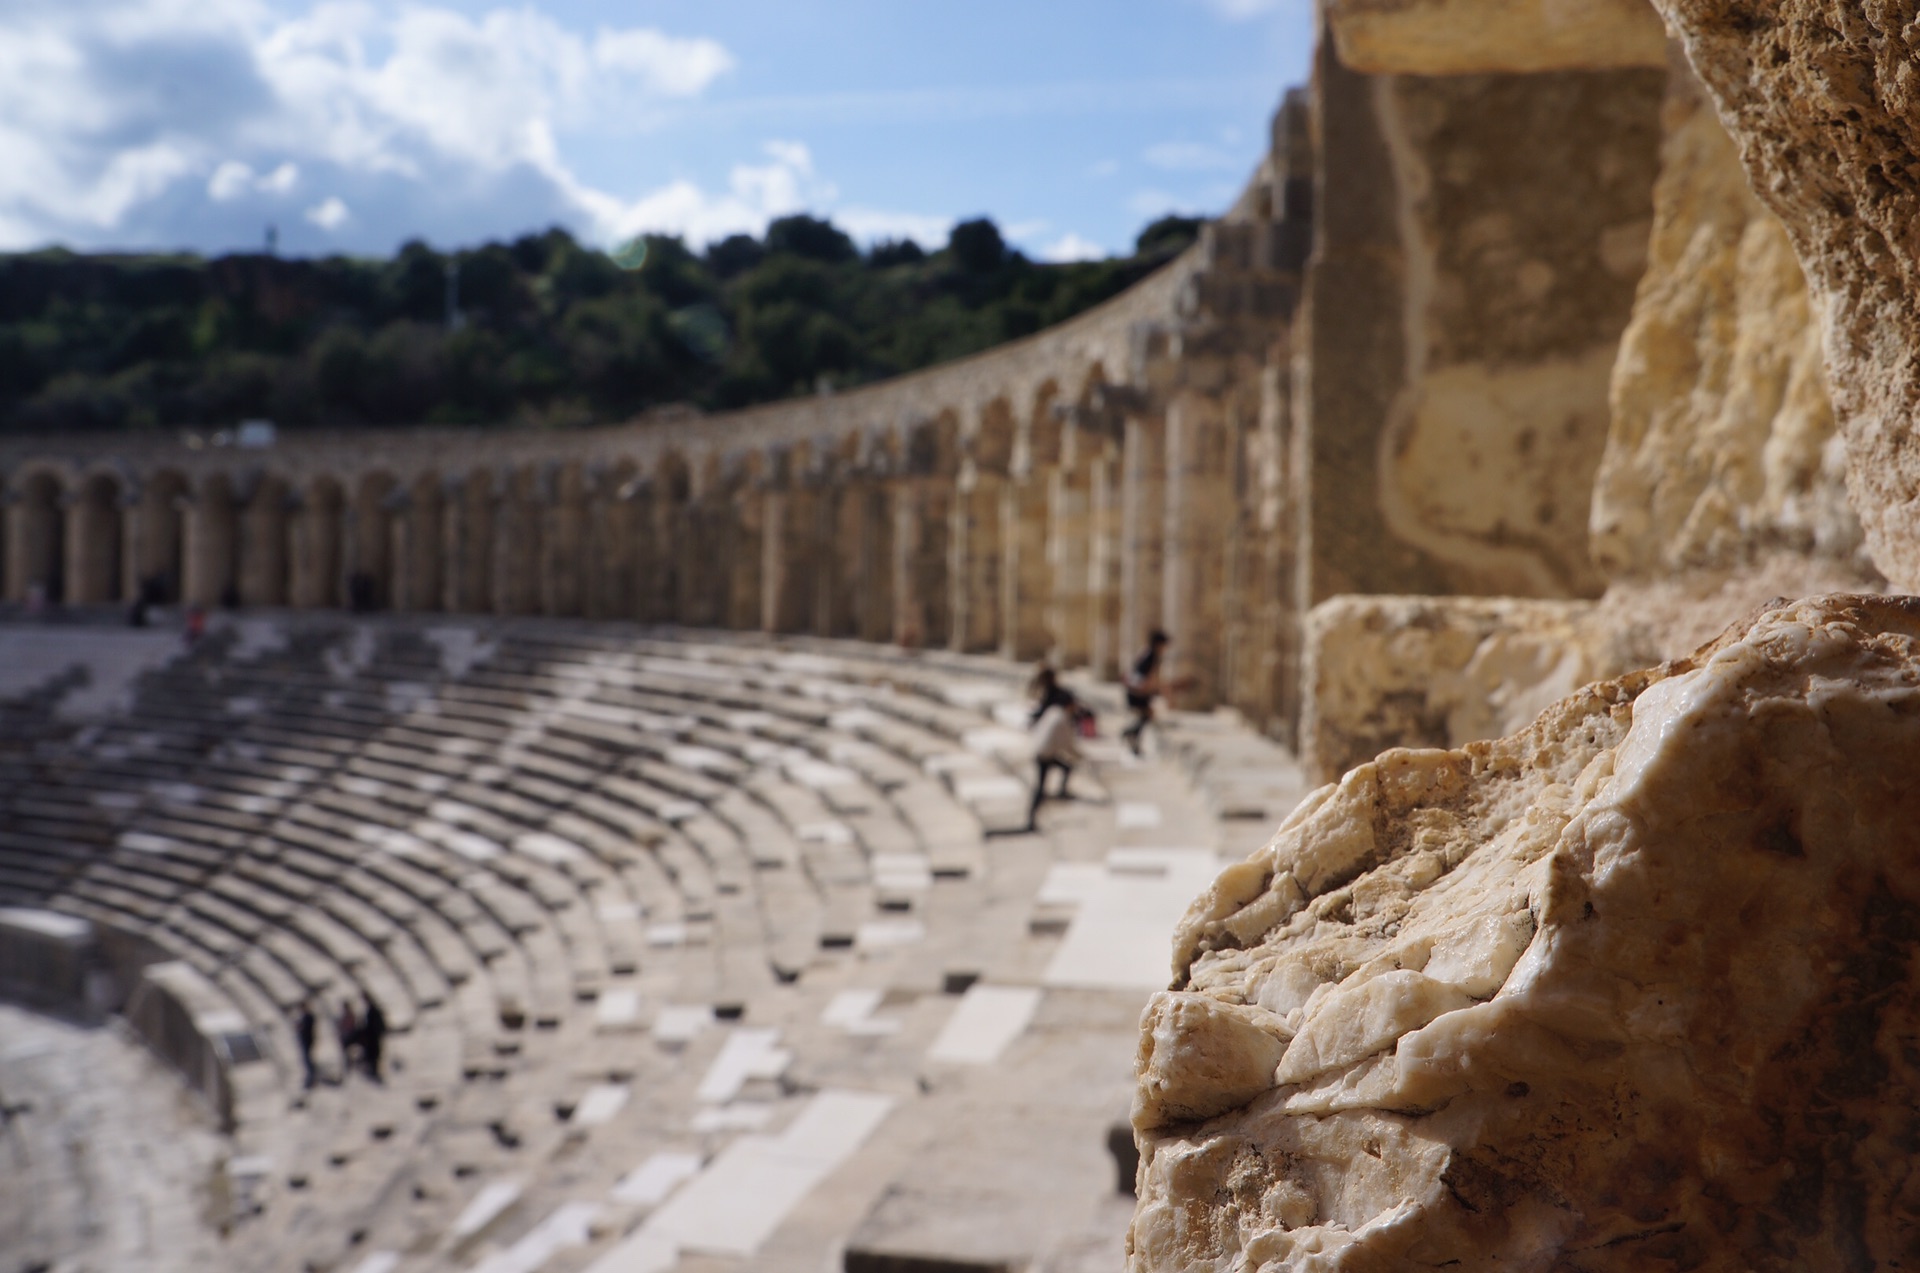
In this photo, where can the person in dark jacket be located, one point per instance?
(305, 1026)
(373, 1037)
(1143, 685)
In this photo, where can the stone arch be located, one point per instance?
(156, 538)
(265, 550)
(94, 541)
(377, 497)
(36, 537)
(1045, 423)
(212, 543)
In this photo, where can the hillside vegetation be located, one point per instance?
(541, 331)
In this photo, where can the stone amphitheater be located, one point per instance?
(668, 786)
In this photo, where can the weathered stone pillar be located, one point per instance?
(466, 539)
(1143, 542)
(563, 540)
(746, 551)
(93, 539)
(36, 527)
(318, 534)
(664, 565)
(867, 556)
(210, 543)
(1106, 550)
(1199, 502)
(263, 568)
(789, 548)
(517, 557)
(418, 544)
(1068, 543)
(611, 532)
(974, 545)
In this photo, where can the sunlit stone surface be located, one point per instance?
(1632, 988)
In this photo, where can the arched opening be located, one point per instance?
(93, 542)
(156, 539)
(263, 544)
(370, 554)
(36, 536)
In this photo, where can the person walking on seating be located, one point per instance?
(373, 1037)
(1055, 725)
(1142, 685)
(305, 1026)
(347, 1027)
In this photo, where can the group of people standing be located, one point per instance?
(1060, 720)
(361, 1033)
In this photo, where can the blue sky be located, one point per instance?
(354, 126)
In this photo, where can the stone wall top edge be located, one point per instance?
(1012, 372)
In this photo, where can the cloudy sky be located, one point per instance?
(355, 126)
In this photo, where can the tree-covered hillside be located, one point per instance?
(539, 331)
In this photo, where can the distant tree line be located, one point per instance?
(541, 331)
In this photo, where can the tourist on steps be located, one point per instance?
(347, 1027)
(1055, 725)
(1142, 685)
(304, 1028)
(373, 1037)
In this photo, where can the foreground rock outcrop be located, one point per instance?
(1637, 987)
(1824, 100)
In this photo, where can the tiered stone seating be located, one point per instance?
(531, 842)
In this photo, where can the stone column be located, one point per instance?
(1025, 631)
(1198, 503)
(745, 560)
(318, 534)
(1068, 612)
(263, 567)
(788, 584)
(976, 556)
(418, 544)
(563, 537)
(867, 556)
(1142, 506)
(93, 536)
(466, 538)
(517, 558)
(1108, 646)
(209, 546)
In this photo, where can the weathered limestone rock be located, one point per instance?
(1723, 446)
(1435, 672)
(1824, 100)
(1456, 37)
(1632, 988)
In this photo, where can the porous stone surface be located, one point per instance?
(1723, 446)
(1824, 100)
(1435, 671)
(1454, 37)
(1627, 989)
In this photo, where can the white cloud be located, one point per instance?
(1188, 156)
(870, 225)
(329, 214)
(420, 117)
(1105, 168)
(1072, 247)
(673, 68)
(234, 179)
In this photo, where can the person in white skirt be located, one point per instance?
(1055, 726)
